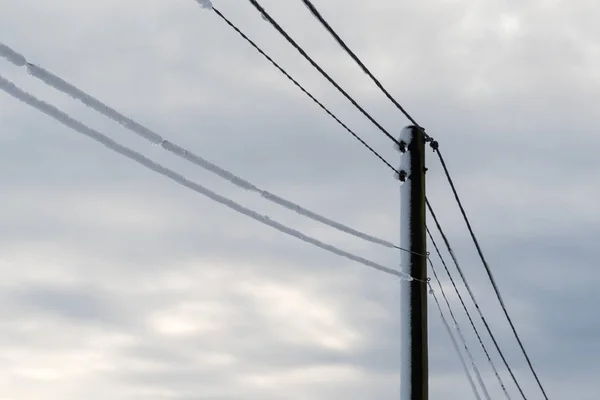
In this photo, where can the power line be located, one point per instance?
(489, 271)
(468, 287)
(11, 89)
(65, 87)
(295, 82)
(455, 344)
(459, 331)
(282, 31)
(315, 12)
(467, 312)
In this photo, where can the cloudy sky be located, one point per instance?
(118, 283)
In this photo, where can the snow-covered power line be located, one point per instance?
(12, 56)
(473, 299)
(95, 104)
(70, 122)
(459, 331)
(466, 310)
(205, 4)
(488, 270)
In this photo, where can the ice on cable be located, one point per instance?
(205, 4)
(12, 56)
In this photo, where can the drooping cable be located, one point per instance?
(48, 109)
(468, 287)
(460, 332)
(455, 344)
(489, 271)
(467, 312)
(67, 88)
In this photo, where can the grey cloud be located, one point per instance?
(80, 304)
(515, 116)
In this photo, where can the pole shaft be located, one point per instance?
(415, 371)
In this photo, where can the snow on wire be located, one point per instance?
(12, 56)
(205, 4)
(61, 85)
(83, 129)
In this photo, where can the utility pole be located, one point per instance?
(414, 379)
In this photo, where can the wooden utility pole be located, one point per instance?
(414, 342)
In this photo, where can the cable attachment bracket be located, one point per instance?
(402, 175)
(402, 146)
(434, 145)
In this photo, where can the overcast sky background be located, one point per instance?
(118, 283)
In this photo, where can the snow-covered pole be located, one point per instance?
(414, 358)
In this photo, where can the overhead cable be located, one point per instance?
(68, 121)
(489, 272)
(467, 312)
(468, 287)
(67, 88)
(460, 332)
(455, 344)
